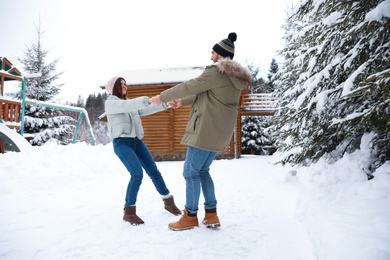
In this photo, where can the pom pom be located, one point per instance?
(232, 37)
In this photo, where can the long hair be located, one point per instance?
(117, 89)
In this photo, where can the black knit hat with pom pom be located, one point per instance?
(225, 48)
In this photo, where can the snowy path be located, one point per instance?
(66, 202)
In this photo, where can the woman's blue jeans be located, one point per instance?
(135, 155)
(197, 176)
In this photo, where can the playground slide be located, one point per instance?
(16, 142)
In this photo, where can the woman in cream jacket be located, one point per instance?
(125, 129)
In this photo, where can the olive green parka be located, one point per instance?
(214, 98)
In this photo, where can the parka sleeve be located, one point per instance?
(152, 108)
(192, 87)
(187, 101)
(118, 106)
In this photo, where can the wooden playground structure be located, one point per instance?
(12, 111)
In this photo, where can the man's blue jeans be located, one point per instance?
(197, 176)
(134, 155)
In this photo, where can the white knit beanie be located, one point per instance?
(110, 84)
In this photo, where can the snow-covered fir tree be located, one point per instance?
(42, 123)
(334, 83)
(273, 69)
(255, 137)
(258, 82)
(80, 102)
(95, 107)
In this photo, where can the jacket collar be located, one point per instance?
(234, 69)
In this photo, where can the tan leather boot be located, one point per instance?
(211, 220)
(131, 217)
(170, 206)
(185, 222)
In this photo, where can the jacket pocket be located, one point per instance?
(194, 124)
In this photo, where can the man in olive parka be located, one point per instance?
(214, 98)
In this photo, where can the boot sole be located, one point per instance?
(181, 229)
(176, 213)
(134, 224)
(217, 225)
(214, 225)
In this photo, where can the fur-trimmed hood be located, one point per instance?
(235, 71)
(214, 97)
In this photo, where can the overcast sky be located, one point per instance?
(96, 40)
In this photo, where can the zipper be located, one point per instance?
(195, 122)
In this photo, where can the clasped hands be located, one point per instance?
(156, 100)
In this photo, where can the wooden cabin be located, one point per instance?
(9, 109)
(164, 130)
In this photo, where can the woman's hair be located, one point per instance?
(117, 89)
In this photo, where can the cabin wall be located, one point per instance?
(164, 130)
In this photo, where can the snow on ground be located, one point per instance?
(66, 202)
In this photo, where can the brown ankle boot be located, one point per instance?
(131, 217)
(170, 206)
(211, 220)
(185, 222)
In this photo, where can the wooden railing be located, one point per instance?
(257, 103)
(10, 112)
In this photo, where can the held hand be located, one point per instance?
(171, 104)
(155, 100)
(175, 104)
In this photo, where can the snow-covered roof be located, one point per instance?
(160, 76)
(9, 72)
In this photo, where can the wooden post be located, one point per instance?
(6, 114)
(2, 77)
(238, 135)
(171, 131)
(1, 146)
(2, 85)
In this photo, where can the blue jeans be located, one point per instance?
(135, 155)
(197, 176)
